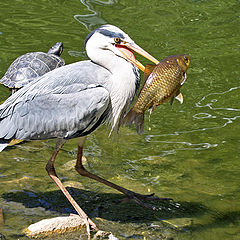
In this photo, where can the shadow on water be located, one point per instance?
(106, 205)
(126, 219)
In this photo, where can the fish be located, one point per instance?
(162, 83)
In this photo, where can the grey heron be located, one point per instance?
(72, 101)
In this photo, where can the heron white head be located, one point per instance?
(110, 47)
(115, 42)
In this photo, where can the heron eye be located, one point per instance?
(117, 40)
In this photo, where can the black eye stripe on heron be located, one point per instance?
(105, 32)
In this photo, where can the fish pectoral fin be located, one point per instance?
(151, 109)
(148, 70)
(179, 97)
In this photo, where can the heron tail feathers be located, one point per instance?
(135, 117)
(4, 143)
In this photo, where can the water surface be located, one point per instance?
(189, 152)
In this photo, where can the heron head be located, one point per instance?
(111, 38)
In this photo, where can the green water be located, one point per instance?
(191, 153)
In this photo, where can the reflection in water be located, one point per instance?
(82, 54)
(91, 20)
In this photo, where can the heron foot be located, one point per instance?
(139, 199)
(90, 225)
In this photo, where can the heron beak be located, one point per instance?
(125, 48)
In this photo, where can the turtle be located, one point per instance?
(31, 65)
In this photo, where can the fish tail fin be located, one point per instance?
(135, 117)
(4, 144)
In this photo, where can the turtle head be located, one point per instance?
(57, 49)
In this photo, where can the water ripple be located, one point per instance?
(221, 119)
(93, 19)
(203, 115)
(212, 101)
(185, 146)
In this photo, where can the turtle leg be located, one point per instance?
(53, 175)
(130, 194)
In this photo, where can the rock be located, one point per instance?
(58, 225)
(102, 234)
(73, 184)
(2, 237)
(70, 165)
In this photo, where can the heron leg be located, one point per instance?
(53, 175)
(130, 194)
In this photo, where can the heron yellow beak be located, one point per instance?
(125, 48)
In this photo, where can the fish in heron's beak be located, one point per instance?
(163, 83)
(126, 48)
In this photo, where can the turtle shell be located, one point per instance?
(30, 66)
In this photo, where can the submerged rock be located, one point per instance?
(2, 237)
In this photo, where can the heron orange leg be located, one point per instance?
(130, 194)
(53, 175)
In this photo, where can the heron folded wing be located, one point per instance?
(64, 115)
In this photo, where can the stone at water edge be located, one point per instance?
(58, 225)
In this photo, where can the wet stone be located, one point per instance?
(57, 225)
(2, 237)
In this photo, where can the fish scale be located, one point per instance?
(163, 84)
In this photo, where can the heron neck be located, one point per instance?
(122, 87)
(122, 82)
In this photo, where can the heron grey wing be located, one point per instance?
(68, 79)
(56, 115)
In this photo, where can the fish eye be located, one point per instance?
(186, 58)
(117, 40)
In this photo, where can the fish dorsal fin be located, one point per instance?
(179, 97)
(148, 70)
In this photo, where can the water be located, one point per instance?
(191, 152)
